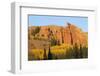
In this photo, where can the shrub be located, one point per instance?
(37, 30)
(53, 42)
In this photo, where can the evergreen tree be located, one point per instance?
(53, 42)
(81, 50)
(45, 57)
(37, 30)
(85, 52)
(49, 54)
(76, 54)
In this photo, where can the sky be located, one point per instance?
(41, 20)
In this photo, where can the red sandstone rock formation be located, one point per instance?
(70, 34)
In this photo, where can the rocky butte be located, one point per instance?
(69, 34)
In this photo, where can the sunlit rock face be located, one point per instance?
(69, 34)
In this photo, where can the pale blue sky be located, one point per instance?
(40, 20)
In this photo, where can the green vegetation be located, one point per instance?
(59, 52)
(77, 52)
(37, 29)
(53, 42)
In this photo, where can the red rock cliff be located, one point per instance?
(70, 34)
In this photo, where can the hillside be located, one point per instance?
(57, 42)
(69, 34)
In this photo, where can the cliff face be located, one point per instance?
(76, 35)
(70, 34)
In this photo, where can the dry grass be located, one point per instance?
(58, 52)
